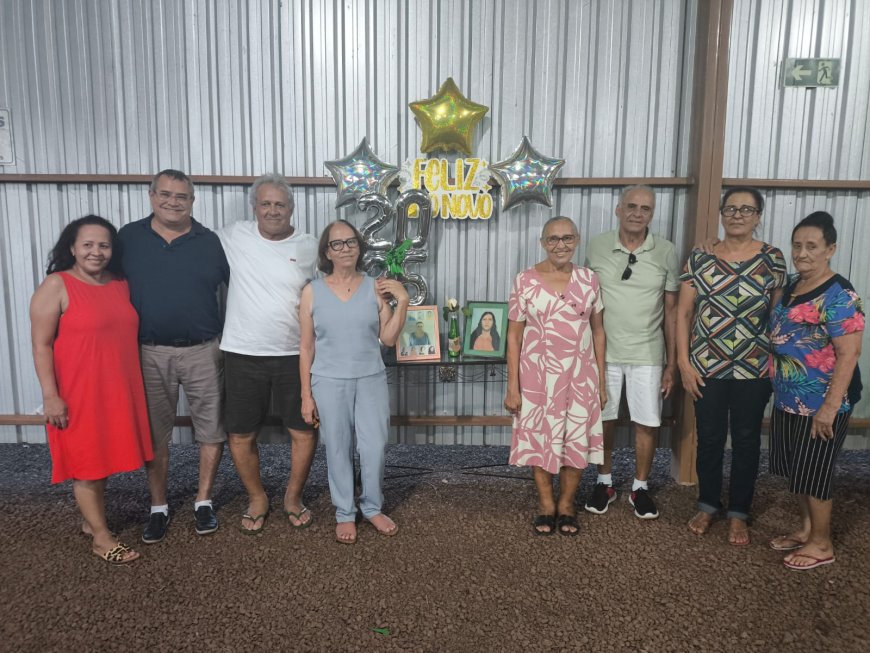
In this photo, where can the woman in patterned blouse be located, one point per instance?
(722, 351)
(816, 335)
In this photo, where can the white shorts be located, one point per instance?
(643, 392)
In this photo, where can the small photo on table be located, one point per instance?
(420, 339)
(486, 330)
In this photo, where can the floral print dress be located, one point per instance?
(559, 422)
(801, 329)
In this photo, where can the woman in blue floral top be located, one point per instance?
(816, 335)
(723, 351)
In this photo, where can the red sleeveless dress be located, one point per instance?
(96, 364)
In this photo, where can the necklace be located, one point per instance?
(338, 285)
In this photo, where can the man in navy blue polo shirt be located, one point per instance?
(175, 267)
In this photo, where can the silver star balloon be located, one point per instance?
(526, 176)
(360, 172)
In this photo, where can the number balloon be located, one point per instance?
(424, 215)
(382, 214)
(375, 260)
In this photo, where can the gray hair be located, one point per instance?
(558, 218)
(271, 179)
(625, 191)
(177, 175)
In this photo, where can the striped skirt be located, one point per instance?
(807, 462)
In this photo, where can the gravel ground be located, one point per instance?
(464, 573)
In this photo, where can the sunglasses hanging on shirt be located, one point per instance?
(626, 274)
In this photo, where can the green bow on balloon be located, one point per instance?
(395, 257)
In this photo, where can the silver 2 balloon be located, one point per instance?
(375, 260)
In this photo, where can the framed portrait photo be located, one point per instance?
(486, 330)
(420, 339)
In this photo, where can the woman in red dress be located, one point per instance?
(85, 350)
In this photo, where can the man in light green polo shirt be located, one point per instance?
(638, 273)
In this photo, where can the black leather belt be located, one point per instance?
(178, 342)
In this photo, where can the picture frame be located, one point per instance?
(494, 343)
(420, 339)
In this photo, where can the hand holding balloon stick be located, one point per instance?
(395, 258)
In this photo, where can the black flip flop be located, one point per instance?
(548, 521)
(571, 522)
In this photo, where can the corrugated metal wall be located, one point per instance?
(243, 87)
(805, 133)
(246, 87)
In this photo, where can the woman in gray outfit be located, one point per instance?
(342, 317)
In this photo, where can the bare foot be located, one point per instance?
(788, 542)
(255, 515)
(384, 524)
(298, 515)
(345, 532)
(700, 523)
(566, 519)
(738, 532)
(114, 552)
(810, 554)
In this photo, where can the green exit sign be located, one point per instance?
(811, 72)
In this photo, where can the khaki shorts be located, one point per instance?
(200, 371)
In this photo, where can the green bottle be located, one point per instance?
(454, 343)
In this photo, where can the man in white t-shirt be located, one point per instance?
(270, 263)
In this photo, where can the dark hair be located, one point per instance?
(820, 220)
(756, 195)
(496, 339)
(323, 263)
(177, 175)
(61, 258)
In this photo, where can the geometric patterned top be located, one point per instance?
(730, 331)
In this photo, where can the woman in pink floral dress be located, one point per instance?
(555, 357)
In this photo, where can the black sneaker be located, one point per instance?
(206, 520)
(644, 508)
(155, 531)
(602, 496)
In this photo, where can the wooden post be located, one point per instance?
(706, 155)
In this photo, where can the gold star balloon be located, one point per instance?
(448, 119)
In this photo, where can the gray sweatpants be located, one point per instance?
(346, 406)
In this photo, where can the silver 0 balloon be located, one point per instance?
(424, 216)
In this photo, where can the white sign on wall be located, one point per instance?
(7, 152)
